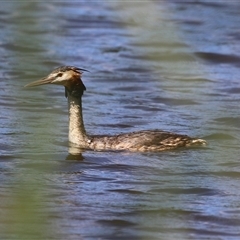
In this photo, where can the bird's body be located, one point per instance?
(147, 140)
(143, 141)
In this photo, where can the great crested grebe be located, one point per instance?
(147, 140)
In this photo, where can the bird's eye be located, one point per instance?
(59, 74)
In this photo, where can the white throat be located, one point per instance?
(77, 133)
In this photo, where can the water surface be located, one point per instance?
(166, 65)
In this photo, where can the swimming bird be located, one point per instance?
(147, 140)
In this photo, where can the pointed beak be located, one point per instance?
(46, 80)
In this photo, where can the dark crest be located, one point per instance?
(68, 68)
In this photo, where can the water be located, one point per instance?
(167, 65)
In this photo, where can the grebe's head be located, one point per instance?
(68, 76)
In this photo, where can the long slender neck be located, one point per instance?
(77, 133)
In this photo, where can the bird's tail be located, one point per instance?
(198, 142)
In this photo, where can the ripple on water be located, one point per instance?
(218, 58)
(141, 76)
(229, 121)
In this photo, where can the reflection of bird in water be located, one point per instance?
(147, 140)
